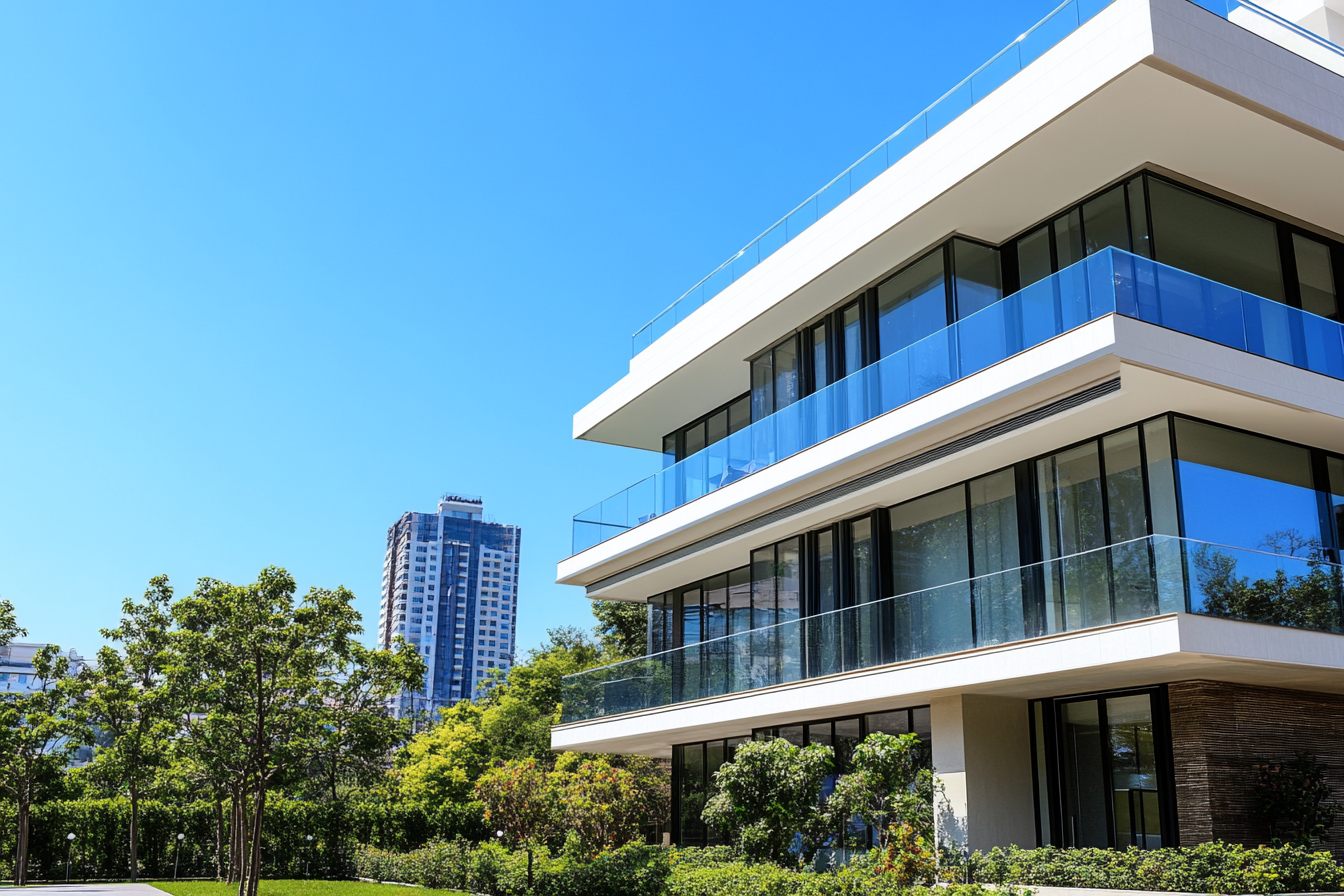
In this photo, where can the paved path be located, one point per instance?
(88, 890)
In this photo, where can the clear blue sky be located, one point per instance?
(273, 273)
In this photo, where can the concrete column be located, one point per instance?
(982, 755)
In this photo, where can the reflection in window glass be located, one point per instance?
(1124, 486)
(692, 792)
(994, 541)
(894, 723)
(928, 541)
(1104, 221)
(1133, 755)
(695, 438)
(1070, 506)
(1336, 467)
(828, 597)
(1033, 257)
(792, 733)
(922, 724)
(1246, 491)
(820, 368)
(1042, 776)
(1215, 240)
(762, 386)
(979, 281)
(739, 414)
(689, 601)
(787, 591)
(861, 560)
(716, 427)
(1315, 276)
(1068, 239)
(1138, 218)
(716, 607)
(846, 740)
(1161, 477)
(852, 321)
(763, 587)
(739, 600)
(786, 373)
(669, 450)
(911, 305)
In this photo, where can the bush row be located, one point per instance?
(101, 848)
(654, 871)
(1206, 868)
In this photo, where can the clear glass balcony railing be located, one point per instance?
(1137, 579)
(1111, 281)
(1061, 22)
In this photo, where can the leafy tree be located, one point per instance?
(1311, 600)
(768, 796)
(39, 733)
(440, 765)
(521, 803)
(604, 805)
(1295, 800)
(254, 671)
(622, 629)
(356, 734)
(9, 624)
(891, 785)
(126, 698)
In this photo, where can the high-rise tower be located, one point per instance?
(450, 587)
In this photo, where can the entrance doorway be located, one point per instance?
(1102, 768)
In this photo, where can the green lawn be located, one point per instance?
(289, 888)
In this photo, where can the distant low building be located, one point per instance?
(17, 676)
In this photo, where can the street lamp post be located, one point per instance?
(307, 864)
(69, 844)
(177, 851)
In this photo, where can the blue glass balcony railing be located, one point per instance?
(1134, 580)
(1111, 281)
(1062, 21)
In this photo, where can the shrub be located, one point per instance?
(1207, 868)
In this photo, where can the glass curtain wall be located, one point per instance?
(1102, 770)
(693, 768)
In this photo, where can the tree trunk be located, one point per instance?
(254, 872)
(21, 854)
(135, 830)
(219, 839)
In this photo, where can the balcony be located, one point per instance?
(1111, 281)
(1146, 577)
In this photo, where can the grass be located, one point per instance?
(288, 888)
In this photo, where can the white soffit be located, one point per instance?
(1146, 82)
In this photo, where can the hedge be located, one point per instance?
(1207, 868)
(101, 849)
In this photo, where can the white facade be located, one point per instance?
(1248, 112)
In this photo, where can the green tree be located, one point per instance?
(441, 765)
(768, 796)
(1294, 800)
(622, 629)
(40, 731)
(253, 670)
(126, 698)
(604, 805)
(891, 784)
(520, 802)
(9, 624)
(356, 735)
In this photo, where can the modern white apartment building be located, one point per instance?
(450, 587)
(1025, 434)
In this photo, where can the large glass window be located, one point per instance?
(821, 368)
(995, 544)
(714, 427)
(863, 584)
(1246, 491)
(1215, 240)
(912, 304)
(851, 321)
(775, 382)
(1100, 757)
(1315, 276)
(1105, 222)
(928, 541)
(1033, 257)
(978, 277)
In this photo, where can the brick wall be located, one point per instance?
(1220, 734)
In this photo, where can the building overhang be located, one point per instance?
(1156, 83)
(1175, 647)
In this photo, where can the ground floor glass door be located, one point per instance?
(1102, 770)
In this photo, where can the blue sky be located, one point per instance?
(273, 273)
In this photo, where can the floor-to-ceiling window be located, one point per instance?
(1102, 769)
